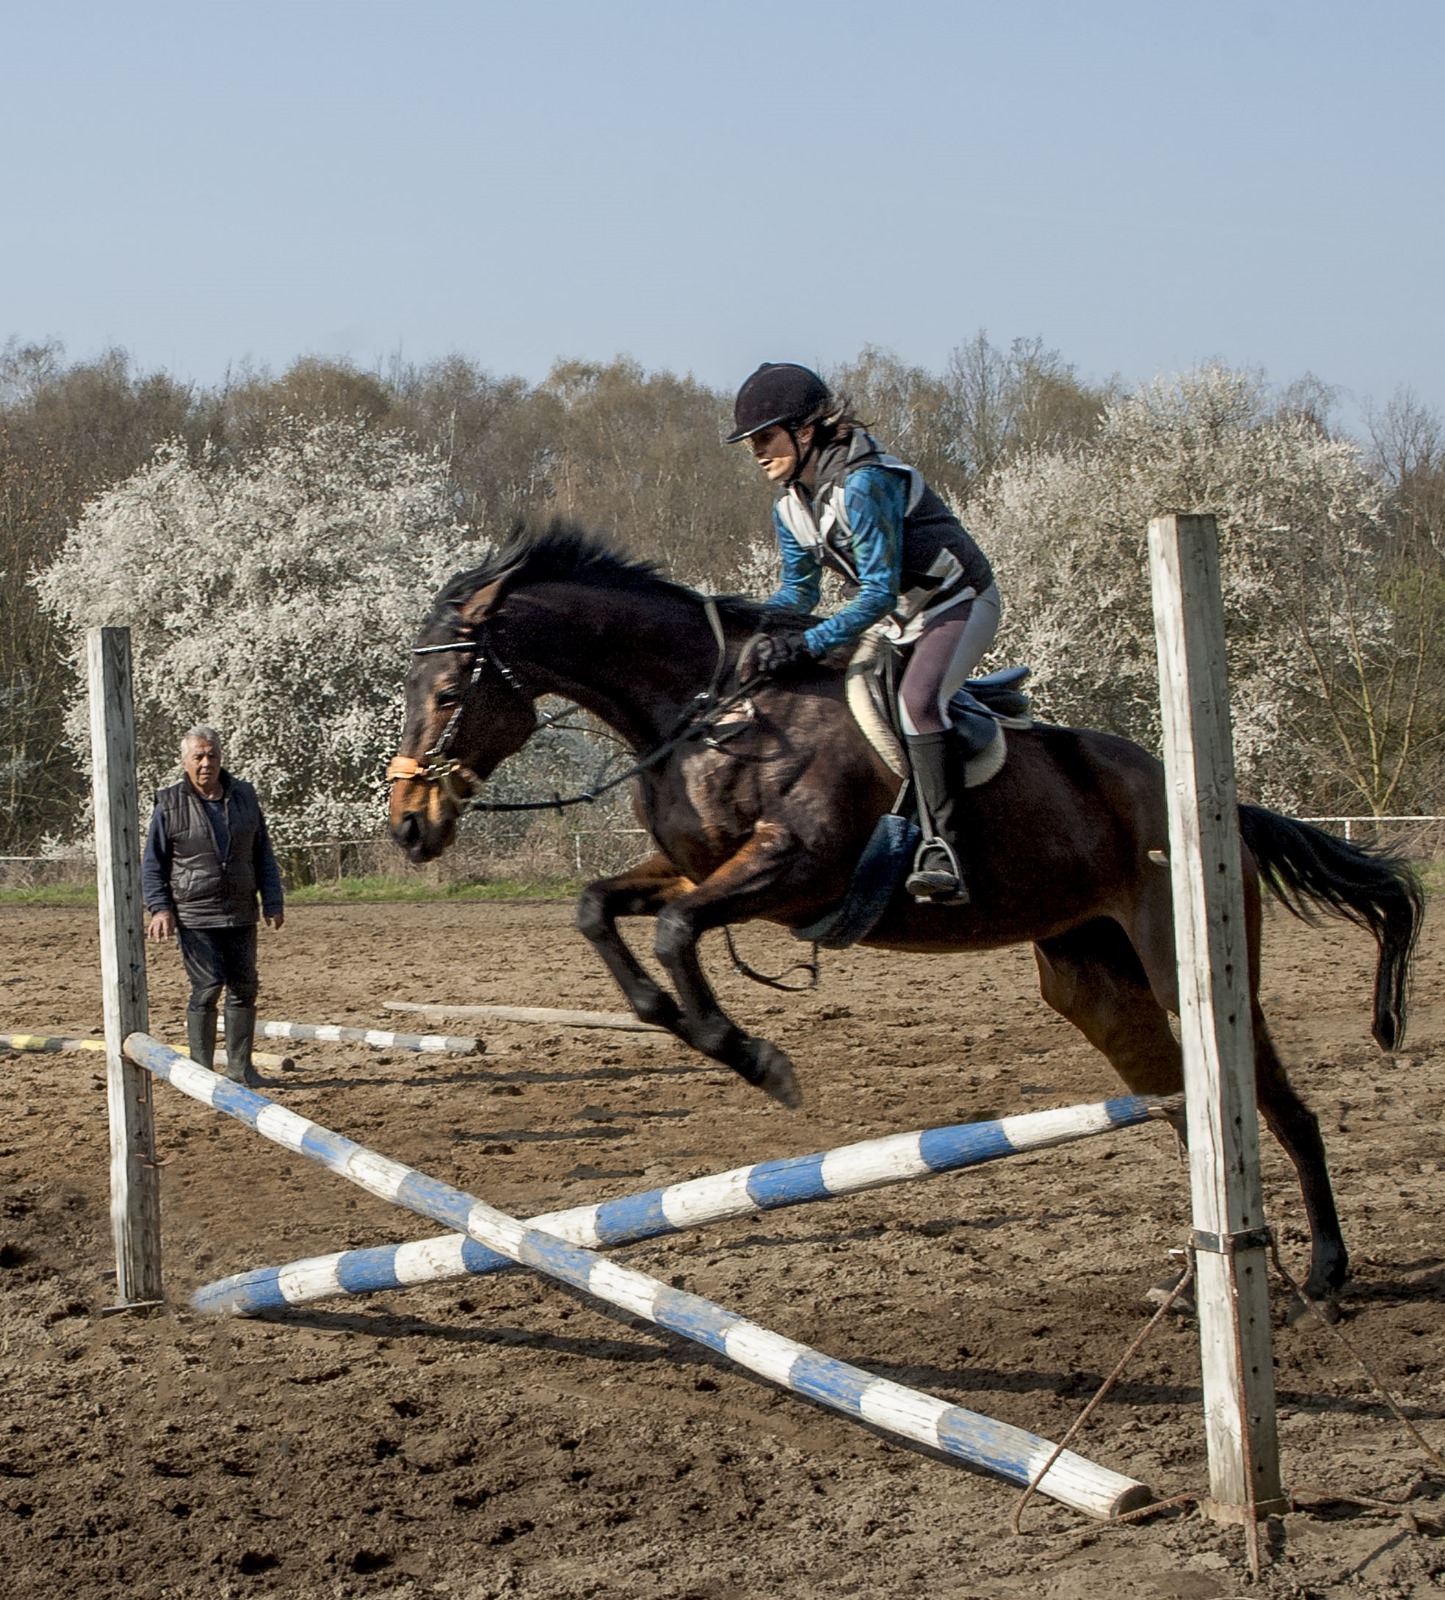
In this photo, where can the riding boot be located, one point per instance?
(240, 1031)
(938, 778)
(201, 1035)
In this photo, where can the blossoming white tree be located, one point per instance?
(273, 599)
(1300, 529)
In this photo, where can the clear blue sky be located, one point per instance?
(1143, 183)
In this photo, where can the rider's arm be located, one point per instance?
(802, 576)
(874, 501)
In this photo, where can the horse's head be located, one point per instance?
(466, 711)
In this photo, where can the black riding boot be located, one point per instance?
(201, 1035)
(240, 1031)
(938, 777)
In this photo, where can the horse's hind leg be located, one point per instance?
(1298, 1131)
(1092, 977)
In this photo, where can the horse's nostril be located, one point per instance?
(408, 830)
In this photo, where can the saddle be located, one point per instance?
(980, 712)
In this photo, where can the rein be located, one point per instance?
(460, 784)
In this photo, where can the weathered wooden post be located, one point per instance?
(135, 1214)
(1216, 1025)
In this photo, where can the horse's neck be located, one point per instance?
(633, 663)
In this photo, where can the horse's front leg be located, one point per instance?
(752, 883)
(641, 891)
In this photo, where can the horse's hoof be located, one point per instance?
(1325, 1304)
(773, 1073)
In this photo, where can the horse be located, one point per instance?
(759, 803)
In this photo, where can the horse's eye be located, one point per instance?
(448, 697)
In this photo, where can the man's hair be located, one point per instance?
(208, 734)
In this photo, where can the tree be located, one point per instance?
(997, 405)
(65, 432)
(640, 459)
(273, 599)
(1301, 529)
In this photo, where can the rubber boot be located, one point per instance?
(240, 1032)
(938, 777)
(201, 1035)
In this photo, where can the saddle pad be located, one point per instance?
(886, 857)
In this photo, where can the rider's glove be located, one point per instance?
(778, 655)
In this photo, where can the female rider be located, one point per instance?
(903, 556)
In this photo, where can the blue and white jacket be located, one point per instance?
(871, 518)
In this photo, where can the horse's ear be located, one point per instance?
(479, 607)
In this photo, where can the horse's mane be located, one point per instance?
(565, 552)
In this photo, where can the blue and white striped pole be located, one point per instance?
(332, 1033)
(743, 1192)
(997, 1447)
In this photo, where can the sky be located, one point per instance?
(1144, 185)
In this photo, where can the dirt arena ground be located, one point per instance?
(499, 1437)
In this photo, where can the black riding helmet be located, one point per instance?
(778, 394)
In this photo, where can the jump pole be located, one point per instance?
(330, 1033)
(624, 1021)
(1230, 1236)
(54, 1044)
(982, 1442)
(135, 1212)
(696, 1203)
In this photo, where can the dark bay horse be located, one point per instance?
(762, 812)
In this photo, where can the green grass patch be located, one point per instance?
(356, 891)
(57, 894)
(342, 891)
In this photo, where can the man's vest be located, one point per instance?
(940, 560)
(210, 892)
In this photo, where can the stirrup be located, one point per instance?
(938, 884)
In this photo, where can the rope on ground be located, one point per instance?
(1317, 1311)
(1298, 1496)
(1186, 1278)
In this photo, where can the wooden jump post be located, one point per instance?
(135, 1211)
(1230, 1236)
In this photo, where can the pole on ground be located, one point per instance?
(1216, 1023)
(135, 1212)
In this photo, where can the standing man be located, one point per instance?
(207, 857)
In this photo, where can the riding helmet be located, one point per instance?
(778, 393)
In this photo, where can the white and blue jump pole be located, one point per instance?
(982, 1442)
(743, 1192)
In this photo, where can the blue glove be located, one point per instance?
(777, 655)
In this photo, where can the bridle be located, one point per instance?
(460, 784)
(456, 780)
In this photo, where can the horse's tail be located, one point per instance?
(1304, 867)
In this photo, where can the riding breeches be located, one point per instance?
(946, 653)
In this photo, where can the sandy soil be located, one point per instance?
(500, 1437)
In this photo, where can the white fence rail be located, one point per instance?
(1351, 824)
